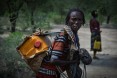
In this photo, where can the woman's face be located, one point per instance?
(75, 21)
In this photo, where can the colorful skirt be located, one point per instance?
(47, 73)
(95, 37)
(42, 75)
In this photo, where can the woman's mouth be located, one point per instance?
(75, 26)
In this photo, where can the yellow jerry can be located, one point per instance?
(33, 49)
(97, 45)
(34, 45)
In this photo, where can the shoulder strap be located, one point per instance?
(68, 30)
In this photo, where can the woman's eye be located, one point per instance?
(74, 19)
(79, 19)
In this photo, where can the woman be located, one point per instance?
(95, 32)
(59, 53)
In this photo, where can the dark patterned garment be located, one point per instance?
(59, 50)
(62, 47)
(94, 25)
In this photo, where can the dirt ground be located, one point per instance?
(106, 65)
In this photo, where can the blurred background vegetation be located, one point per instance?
(22, 17)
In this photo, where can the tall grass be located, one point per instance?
(11, 63)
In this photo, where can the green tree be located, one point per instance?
(14, 7)
(108, 9)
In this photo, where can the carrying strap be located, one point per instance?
(84, 73)
(68, 30)
(61, 72)
(74, 45)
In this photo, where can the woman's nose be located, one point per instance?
(76, 22)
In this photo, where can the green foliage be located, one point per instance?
(23, 22)
(9, 54)
(107, 8)
(101, 18)
(9, 46)
(11, 64)
(4, 24)
(114, 19)
(3, 7)
(42, 20)
(2, 31)
(54, 11)
(56, 18)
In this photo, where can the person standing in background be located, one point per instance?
(95, 33)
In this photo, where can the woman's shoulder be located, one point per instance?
(63, 32)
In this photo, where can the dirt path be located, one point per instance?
(106, 65)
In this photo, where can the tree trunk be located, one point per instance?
(13, 26)
(13, 19)
(108, 19)
(32, 5)
(32, 21)
(13, 11)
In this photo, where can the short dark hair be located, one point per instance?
(94, 13)
(72, 10)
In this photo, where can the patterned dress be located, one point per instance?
(59, 50)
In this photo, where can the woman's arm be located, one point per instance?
(58, 50)
(55, 60)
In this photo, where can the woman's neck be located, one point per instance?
(75, 32)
